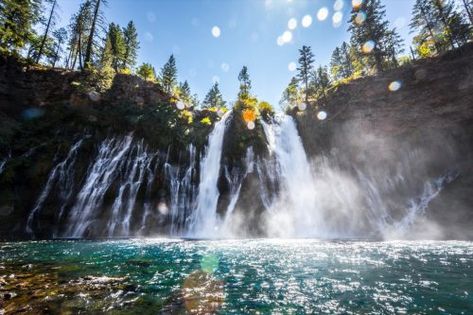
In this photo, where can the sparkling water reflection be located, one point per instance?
(237, 277)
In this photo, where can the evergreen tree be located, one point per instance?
(393, 46)
(468, 7)
(321, 82)
(305, 68)
(97, 21)
(146, 72)
(185, 93)
(347, 68)
(370, 32)
(341, 66)
(423, 22)
(454, 28)
(439, 25)
(214, 97)
(17, 18)
(168, 76)
(60, 37)
(114, 50)
(131, 45)
(49, 25)
(290, 96)
(336, 64)
(245, 82)
(79, 30)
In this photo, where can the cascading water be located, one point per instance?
(182, 192)
(100, 176)
(295, 211)
(62, 177)
(138, 161)
(204, 221)
(126, 192)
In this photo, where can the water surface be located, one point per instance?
(236, 277)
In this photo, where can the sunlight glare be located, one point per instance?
(287, 36)
(321, 115)
(356, 3)
(360, 18)
(216, 31)
(225, 67)
(395, 86)
(338, 5)
(292, 66)
(337, 19)
(280, 41)
(302, 106)
(306, 21)
(322, 14)
(292, 24)
(368, 47)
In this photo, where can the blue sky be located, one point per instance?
(249, 31)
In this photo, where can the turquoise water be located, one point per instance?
(236, 277)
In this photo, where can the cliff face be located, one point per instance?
(401, 153)
(412, 122)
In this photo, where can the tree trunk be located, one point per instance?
(431, 31)
(88, 51)
(45, 37)
(468, 11)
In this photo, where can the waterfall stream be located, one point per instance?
(127, 192)
(205, 220)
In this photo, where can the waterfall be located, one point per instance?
(235, 180)
(204, 222)
(101, 175)
(295, 211)
(3, 164)
(182, 192)
(61, 177)
(131, 179)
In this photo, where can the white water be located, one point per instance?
(204, 221)
(182, 191)
(295, 212)
(61, 177)
(138, 163)
(100, 176)
(301, 199)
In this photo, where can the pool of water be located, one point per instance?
(236, 277)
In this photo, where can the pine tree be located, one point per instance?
(60, 37)
(146, 72)
(341, 66)
(455, 29)
(393, 46)
(290, 96)
(336, 64)
(423, 22)
(305, 68)
(468, 7)
(49, 25)
(114, 50)
(79, 30)
(214, 97)
(370, 31)
(437, 22)
(131, 45)
(168, 75)
(321, 82)
(17, 18)
(185, 93)
(97, 20)
(245, 82)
